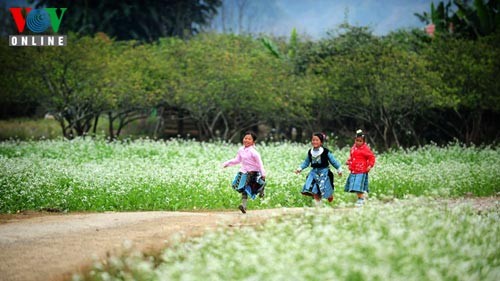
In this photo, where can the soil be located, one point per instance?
(53, 246)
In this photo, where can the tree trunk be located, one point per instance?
(159, 122)
(110, 127)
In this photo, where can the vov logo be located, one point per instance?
(37, 21)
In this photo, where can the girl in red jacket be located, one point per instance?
(360, 161)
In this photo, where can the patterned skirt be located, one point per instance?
(319, 182)
(250, 182)
(357, 183)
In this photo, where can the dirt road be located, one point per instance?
(46, 246)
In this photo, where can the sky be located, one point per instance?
(316, 17)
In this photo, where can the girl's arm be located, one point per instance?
(304, 165)
(260, 164)
(233, 161)
(334, 162)
(370, 159)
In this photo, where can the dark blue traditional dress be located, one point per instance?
(250, 182)
(320, 179)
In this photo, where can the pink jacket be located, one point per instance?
(250, 160)
(361, 159)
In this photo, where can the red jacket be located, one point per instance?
(360, 159)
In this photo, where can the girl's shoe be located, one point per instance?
(242, 209)
(360, 202)
(262, 193)
(318, 203)
(330, 199)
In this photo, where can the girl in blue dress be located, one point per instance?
(319, 181)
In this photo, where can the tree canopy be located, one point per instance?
(463, 18)
(140, 20)
(406, 88)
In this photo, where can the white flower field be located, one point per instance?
(401, 234)
(414, 240)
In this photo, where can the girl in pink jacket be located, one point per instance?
(250, 179)
(361, 160)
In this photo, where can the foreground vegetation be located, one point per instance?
(96, 175)
(414, 240)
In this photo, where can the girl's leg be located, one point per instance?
(361, 199)
(244, 199)
(317, 200)
(317, 197)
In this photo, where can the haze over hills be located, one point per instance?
(316, 17)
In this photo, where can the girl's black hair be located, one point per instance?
(320, 135)
(251, 133)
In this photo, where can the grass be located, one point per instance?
(42, 129)
(27, 129)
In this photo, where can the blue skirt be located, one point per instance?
(319, 182)
(357, 183)
(251, 183)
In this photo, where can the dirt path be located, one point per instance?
(47, 246)
(37, 246)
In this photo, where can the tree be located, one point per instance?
(217, 89)
(470, 71)
(140, 20)
(132, 85)
(481, 18)
(439, 17)
(19, 95)
(229, 84)
(72, 85)
(377, 86)
(8, 25)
